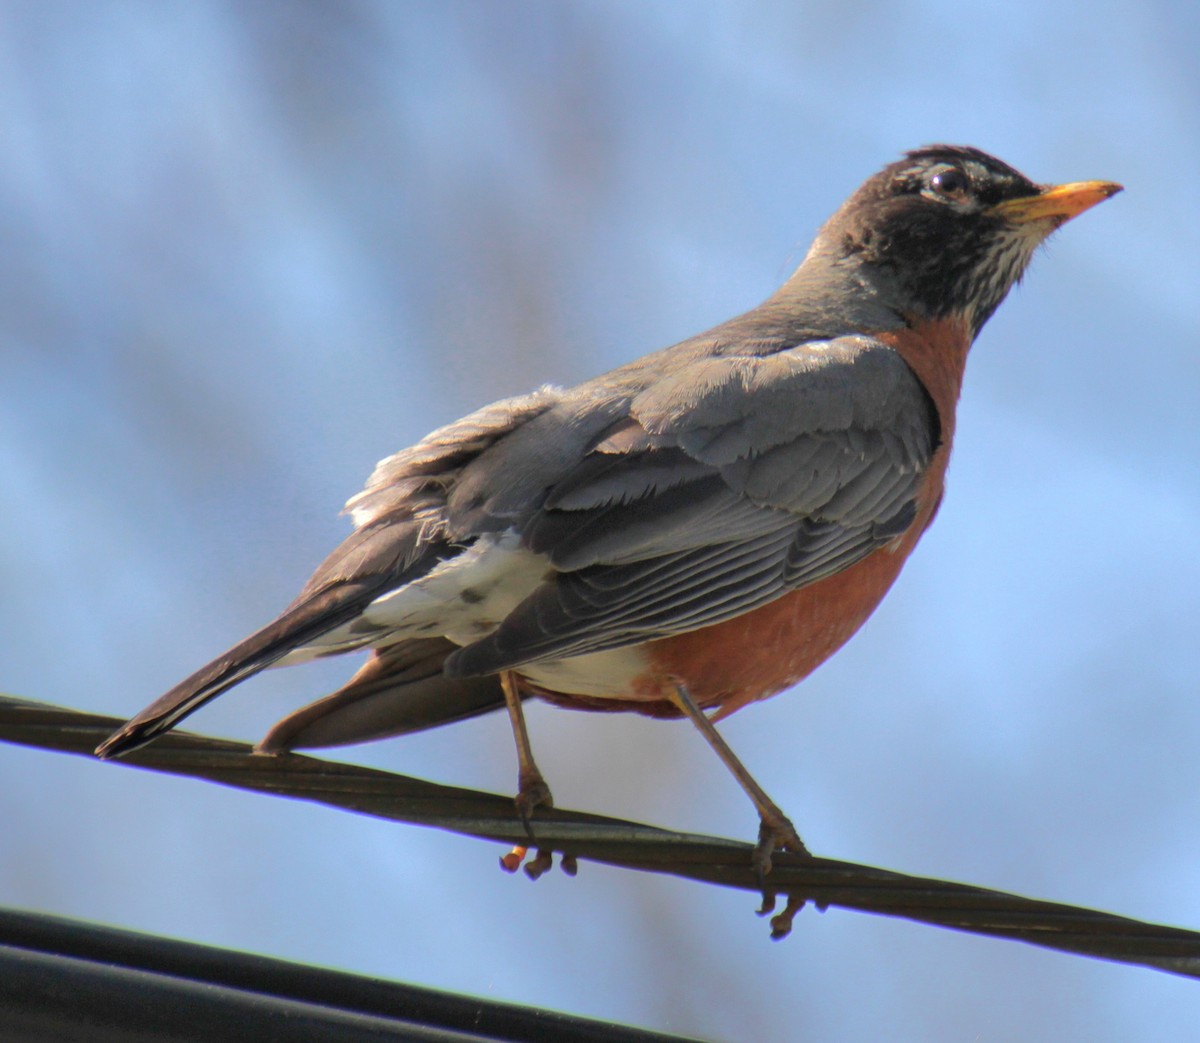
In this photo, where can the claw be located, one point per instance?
(781, 923)
(543, 863)
(511, 862)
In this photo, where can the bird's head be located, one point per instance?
(948, 230)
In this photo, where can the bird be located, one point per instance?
(688, 533)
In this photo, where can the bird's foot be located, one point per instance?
(543, 862)
(781, 923)
(511, 862)
(532, 792)
(776, 833)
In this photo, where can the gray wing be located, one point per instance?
(727, 483)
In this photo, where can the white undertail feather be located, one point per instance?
(464, 599)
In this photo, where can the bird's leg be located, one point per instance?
(531, 787)
(775, 829)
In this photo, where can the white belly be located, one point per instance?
(607, 674)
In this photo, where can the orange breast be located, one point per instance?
(764, 651)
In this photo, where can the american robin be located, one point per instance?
(688, 533)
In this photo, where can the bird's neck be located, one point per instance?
(841, 293)
(836, 294)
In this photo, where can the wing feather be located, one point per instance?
(744, 478)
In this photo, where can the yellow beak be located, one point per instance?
(1058, 203)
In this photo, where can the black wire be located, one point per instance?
(64, 980)
(824, 882)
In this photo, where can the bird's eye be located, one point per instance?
(950, 183)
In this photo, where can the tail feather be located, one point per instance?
(376, 557)
(400, 689)
(300, 624)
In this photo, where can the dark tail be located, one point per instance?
(377, 557)
(300, 624)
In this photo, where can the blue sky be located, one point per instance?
(253, 248)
